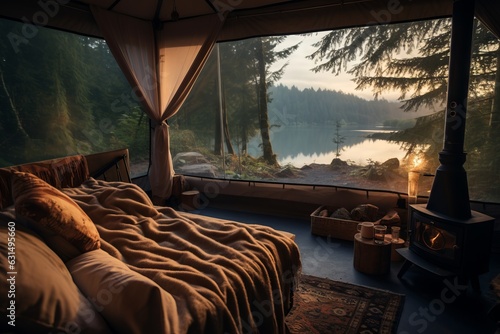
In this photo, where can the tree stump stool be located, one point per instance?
(395, 244)
(190, 200)
(371, 258)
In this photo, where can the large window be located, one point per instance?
(63, 94)
(357, 107)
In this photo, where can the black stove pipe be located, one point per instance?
(450, 194)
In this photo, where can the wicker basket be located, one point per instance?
(333, 227)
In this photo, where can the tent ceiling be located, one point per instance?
(487, 10)
(146, 9)
(248, 18)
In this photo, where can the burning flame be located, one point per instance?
(433, 239)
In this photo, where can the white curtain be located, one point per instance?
(162, 67)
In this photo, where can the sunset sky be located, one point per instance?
(299, 74)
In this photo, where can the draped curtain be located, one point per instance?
(162, 67)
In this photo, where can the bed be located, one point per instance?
(81, 253)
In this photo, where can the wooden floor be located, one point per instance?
(433, 304)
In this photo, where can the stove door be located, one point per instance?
(436, 240)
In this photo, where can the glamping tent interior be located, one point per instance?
(161, 172)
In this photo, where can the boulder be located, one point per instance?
(337, 163)
(287, 172)
(391, 164)
(374, 173)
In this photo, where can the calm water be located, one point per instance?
(304, 145)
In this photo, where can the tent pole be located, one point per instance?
(221, 111)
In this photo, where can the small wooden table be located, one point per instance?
(371, 258)
(190, 200)
(395, 256)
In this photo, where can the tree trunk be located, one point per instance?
(218, 134)
(267, 148)
(244, 140)
(495, 120)
(495, 108)
(19, 123)
(227, 137)
(222, 135)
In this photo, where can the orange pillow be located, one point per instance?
(49, 210)
(67, 172)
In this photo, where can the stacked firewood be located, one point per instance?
(364, 213)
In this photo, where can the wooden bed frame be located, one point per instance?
(110, 166)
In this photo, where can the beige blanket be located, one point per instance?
(224, 276)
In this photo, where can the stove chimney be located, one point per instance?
(449, 193)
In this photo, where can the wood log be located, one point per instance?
(371, 258)
(190, 200)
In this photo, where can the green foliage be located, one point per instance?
(291, 106)
(63, 94)
(249, 168)
(400, 124)
(412, 58)
(182, 141)
(376, 50)
(132, 132)
(244, 103)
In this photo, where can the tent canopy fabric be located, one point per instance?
(245, 18)
(162, 45)
(162, 64)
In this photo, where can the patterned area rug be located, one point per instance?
(323, 306)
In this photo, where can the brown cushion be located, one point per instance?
(61, 173)
(5, 188)
(129, 301)
(46, 297)
(70, 171)
(49, 210)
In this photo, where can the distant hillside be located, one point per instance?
(291, 106)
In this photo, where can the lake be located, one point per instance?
(303, 145)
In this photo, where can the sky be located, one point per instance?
(298, 72)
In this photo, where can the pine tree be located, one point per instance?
(44, 82)
(412, 58)
(338, 139)
(247, 76)
(60, 94)
(420, 79)
(266, 55)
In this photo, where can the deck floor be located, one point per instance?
(430, 303)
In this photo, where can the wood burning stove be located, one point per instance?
(445, 236)
(448, 246)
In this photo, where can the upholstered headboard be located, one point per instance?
(70, 171)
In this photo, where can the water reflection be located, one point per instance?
(302, 145)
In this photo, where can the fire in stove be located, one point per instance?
(445, 236)
(433, 238)
(455, 246)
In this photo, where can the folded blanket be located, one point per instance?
(223, 276)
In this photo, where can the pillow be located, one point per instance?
(128, 301)
(88, 320)
(5, 188)
(45, 296)
(44, 293)
(67, 172)
(53, 214)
